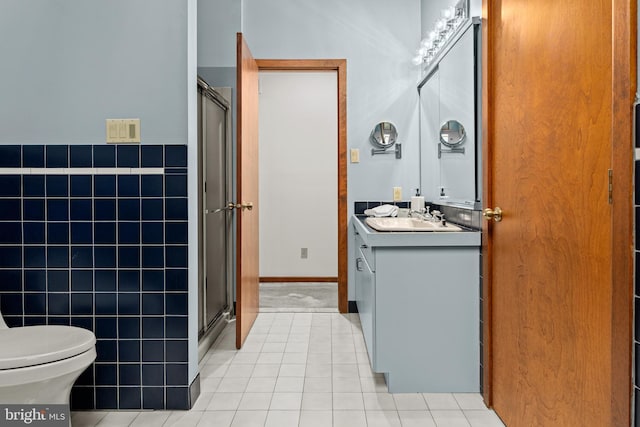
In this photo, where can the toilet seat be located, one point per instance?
(37, 345)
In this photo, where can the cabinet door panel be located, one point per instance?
(366, 305)
(427, 329)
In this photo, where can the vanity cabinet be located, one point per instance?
(366, 295)
(418, 301)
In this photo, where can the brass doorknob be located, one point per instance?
(495, 214)
(244, 205)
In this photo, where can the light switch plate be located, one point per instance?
(123, 130)
(355, 155)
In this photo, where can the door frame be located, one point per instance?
(624, 86)
(340, 66)
(624, 72)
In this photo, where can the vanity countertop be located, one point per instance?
(413, 238)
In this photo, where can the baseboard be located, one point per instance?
(298, 279)
(353, 307)
(194, 391)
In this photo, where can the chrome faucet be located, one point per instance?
(439, 217)
(423, 214)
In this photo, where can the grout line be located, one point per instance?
(82, 171)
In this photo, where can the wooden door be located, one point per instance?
(247, 273)
(549, 112)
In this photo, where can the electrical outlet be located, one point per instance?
(355, 155)
(304, 253)
(397, 194)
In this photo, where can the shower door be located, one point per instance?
(216, 219)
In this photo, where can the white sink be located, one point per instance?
(408, 224)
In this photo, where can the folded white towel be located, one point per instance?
(382, 210)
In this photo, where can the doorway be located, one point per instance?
(303, 267)
(247, 224)
(298, 195)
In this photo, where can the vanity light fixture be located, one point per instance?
(451, 19)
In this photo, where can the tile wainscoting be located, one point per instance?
(96, 237)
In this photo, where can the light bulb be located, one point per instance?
(417, 60)
(426, 44)
(441, 24)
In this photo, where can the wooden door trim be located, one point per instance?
(624, 74)
(340, 66)
(487, 183)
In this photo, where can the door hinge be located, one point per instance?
(610, 186)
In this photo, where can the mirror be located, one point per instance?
(384, 135)
(452, 133)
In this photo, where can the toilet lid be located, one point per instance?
(34, 345)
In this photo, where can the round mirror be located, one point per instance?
(383, 135)
(452, 133)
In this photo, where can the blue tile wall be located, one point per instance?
(107, 253)
(636, 312)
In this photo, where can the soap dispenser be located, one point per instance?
(417, 202)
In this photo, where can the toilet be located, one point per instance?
(39, 364)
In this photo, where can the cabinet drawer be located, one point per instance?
(365, 251)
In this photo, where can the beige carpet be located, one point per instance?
(299, 297)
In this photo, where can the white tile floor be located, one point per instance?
(302, 370)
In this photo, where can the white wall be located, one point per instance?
(190, 88)
(68, 65)
(218, 23)
(377, 39)
(298, 174)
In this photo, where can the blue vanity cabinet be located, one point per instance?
(366, 295)
(418, 302)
